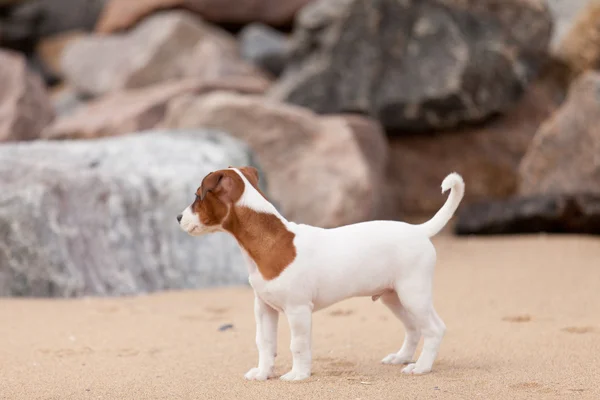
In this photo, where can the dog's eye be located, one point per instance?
(197, 197)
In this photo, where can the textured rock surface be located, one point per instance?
(550, 213)
(123, 14)
(138, 109)
(25, 107)
(564, 155)
(265, 47)
(49, 50)
(414, 64)
(165, 46)
(97, 217)
(580, 46)
(487, 156)
(565, 14)
(323, 171)
(66, 101)
(23, 25)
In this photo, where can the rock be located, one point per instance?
(551, 213)
(563, 157)
(134, 110)
(487, 156)
(25, 107)
(565, 13)
(65, 101)
(97, 217)
(17, 29)
(37, 66)
(264, 47)
(25, 24)
(580, 46)
(415, 64)
(9, 3)
(166, 46)
(225, 327)
(323, 171)
(50, 50)
(123, 14)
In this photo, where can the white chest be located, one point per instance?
(268, 291)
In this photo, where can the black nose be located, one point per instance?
(179, 218)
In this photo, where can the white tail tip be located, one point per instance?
(451, 180)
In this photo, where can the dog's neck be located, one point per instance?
(263, 233)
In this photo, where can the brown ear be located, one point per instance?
(221, 184)
(251, 174)
(210, 183)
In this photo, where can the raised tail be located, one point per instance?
(454, 182)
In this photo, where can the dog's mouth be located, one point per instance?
(193, 230)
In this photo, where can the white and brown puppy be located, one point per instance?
(298, 269)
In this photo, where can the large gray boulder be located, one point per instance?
(415, 64)
(97, 217)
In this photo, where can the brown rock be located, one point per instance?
(564, 156)
(580, 47)
(50, 49)
(487, 156)
(123, 14)
(135, 110)
(564, 13)
(323, 171)
(25, 107)
(550, 213)
(168, 45)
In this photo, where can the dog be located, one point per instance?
(298, 269)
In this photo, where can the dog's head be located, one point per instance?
(216, 198)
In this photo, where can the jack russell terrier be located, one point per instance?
(298, 269)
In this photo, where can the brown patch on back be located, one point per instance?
(265, 238)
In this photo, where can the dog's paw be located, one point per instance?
(295, 376)
(394, 358)
(413, 369)
(256, 374)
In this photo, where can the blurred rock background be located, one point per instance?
(112, 111)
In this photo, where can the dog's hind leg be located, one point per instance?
(412, 332)
(415, 296)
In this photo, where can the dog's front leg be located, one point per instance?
(300, 320)
(266, 340)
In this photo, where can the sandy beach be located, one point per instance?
(523, 317)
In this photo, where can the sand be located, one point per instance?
(523, 317)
